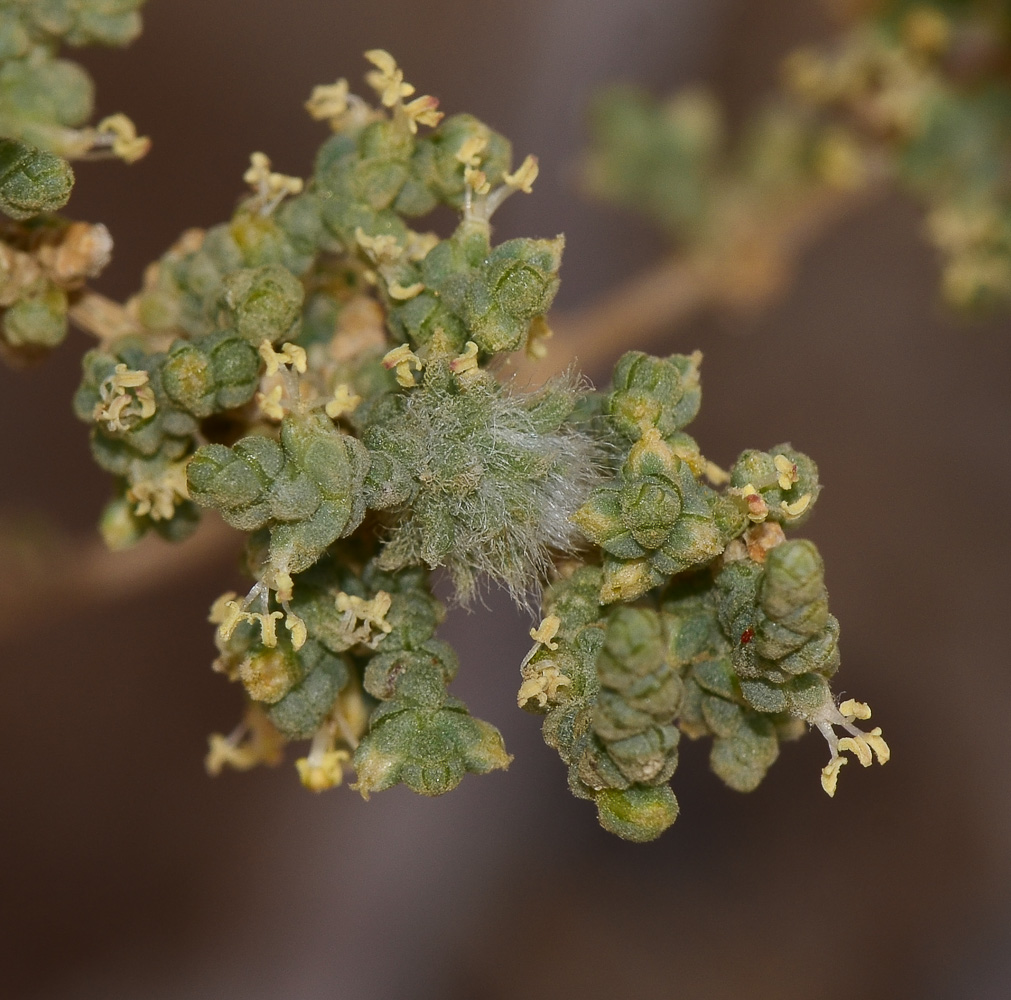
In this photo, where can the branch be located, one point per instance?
(43, 578)
(101, 317)
(747, 268)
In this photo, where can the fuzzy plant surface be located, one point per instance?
(325, 375)
(912, 94)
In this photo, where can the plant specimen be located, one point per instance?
(327, 377)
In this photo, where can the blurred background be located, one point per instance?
(127, 873)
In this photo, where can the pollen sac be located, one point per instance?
(775, 615)
(785, 479)
(32, 181)
(662, 393)
(655, 520)
(307, 489)
(215, 373)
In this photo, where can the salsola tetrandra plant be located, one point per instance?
(327, 378)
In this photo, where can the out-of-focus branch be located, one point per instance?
(746, 270)
(101, 317)
(50, 577)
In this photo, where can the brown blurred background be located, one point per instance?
(127, 873)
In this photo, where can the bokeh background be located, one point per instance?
(127, 873)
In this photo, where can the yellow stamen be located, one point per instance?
(270, 403)
(328, 101)
(402, 293)
(858, 746)
(787, 471)
(854, 709)
(299, 632)
(345, 400)
(830, 775)
(402, 358)
(126, 144)
(546, 631)
(387, 79)
(318, 773)
(423, 111)
(798, 507)
(469, 153)
(466, 363)
(524, 177)
(380, 249)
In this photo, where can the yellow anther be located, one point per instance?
(543, 685)
(125, 143)
(419, 245)
(402, 358)
(295, 356)
(857, 745)
(796, 508)
(787, 471)
(466, 363)
(254, 741)
(296, 626)
(230, 614)
(328, 101)
(476, 180)
(524, 177)
(853, 709)
(270, 187)
(322, 771)
(538, 333)
(754, 502)
(469, 153)
(382, 249)
(221, 608)
(875, 741)
(546, 631)
(830, 775)
(158, 497)
(345, 400)
(119, 408)
(402, 293)
(268, 625)
(270, 357)
(270, 403)
(372, 615)
(290, 354)
(423, 111)
(387, 79)
(284, 585)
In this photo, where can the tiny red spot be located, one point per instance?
(747, 635)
